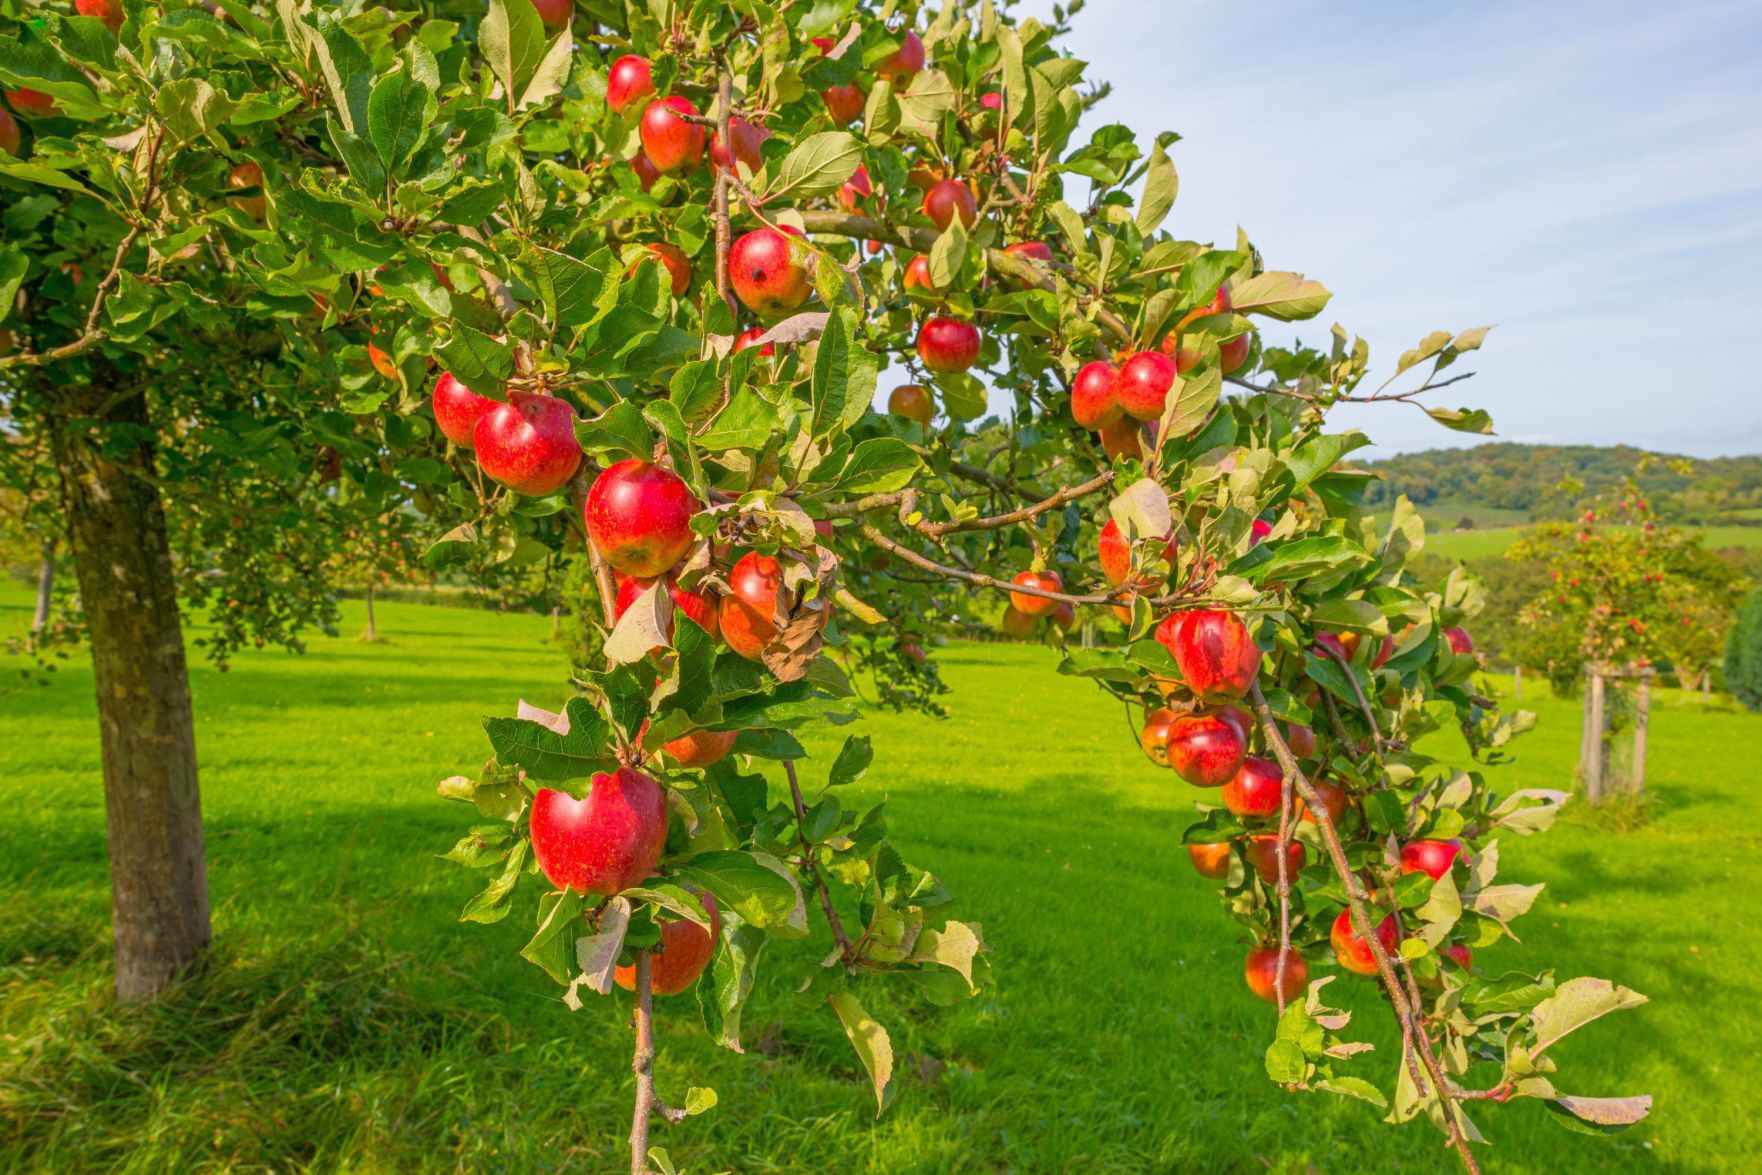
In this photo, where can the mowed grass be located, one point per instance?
(1492, 542)
(348, 1021)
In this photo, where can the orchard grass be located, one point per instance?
(346, 1020)
(1495, 541)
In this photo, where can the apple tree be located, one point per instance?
(660, 255)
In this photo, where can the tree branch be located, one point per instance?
(642, 1063)
(813, 867)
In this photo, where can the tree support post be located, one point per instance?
(1595, 737)
(45, 588)
(1642, 714)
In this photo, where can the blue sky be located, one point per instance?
(1585, 176)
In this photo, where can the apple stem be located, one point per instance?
(807, 856)
(1416, 1044)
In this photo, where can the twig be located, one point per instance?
(1422, 1065)
(642, 1063)
(813, 866)
(1370, 718)
(724, 105)
(1285, 786)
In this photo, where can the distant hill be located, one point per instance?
(1509, 484)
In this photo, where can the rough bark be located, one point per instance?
(122, 560)
(45, 587)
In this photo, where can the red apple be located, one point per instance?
(1143, 384)
(1384, 652)
(1255, 790)
(1334, 800)
(748, 614)
(913, 402)
(899, 66)
(699, 606)
(747, 139)
(1213, 650)
(749, 337)
(991, 100)
(686, 949)
(1233, 354)
(1354, 953)
(1185, 353)
(1460, 641)
(1301, 740)
(628, 82)
(1459, 954)
(948, 345)
(1263, 855)
(638, 516)
(1064, 617)
(555, 13)
(1116, 558)
(10, 136)
(769, 272)
(1031, 605)
(1206, 750)
(947, 199)
(457, 409)
(1237, 717)
(1430, 857)
(844, 103)
(1016, 624)
(108, 11)
(1258, 532)
(646, 171)
(855, 190)
(1262, 972)
(528, 444)
(700, 748)
(382, 362)
(28, 101)
(1032, 250)
(1095, 403)
(248, 175)
(677, 264)
(606, 842)
(1153, 740)
(917, 276)
(1211, 860)
(1123, 438)
(671, 143)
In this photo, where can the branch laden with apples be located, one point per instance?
(664, 365)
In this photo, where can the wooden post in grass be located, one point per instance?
(1593, 762)
(1642, 711)
(1517, 682)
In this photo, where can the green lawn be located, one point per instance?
(347, 1021)
(1492, 542)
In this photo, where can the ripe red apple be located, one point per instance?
(457, 409)
(555, 13)
(686, 949)
(844, 103)
(1353, 952)
(606, 842)
(638, 516)
(671, 143)
(1016, 624)
(1328, 644)
(1301, 740)
(747, 140)
(1212, 860)
(1233, 354)
(28, 101)
(1030, 605)
(899, 66)
(855, 190)
(108, 11)
(1153, 740)
(1254, 791)
(749, 612)
(673, 258)
(769, 272)
(1184, 352)
(1095, 403)
(1116, 558)
(528, 444)
(10, 136)
(1384, 652)
(917, 276)
(947, 199)
(1460, 641)
(1033, 251)
(1064, 617)
(1262, 972)
(1143, 384)
(750, 336)
(382, 362)
(1334, 800)
(1213, 650)
(1258, 532)
(1237, 717)
(1263, 855)
(248, 175)
(1205, 749)
(700, 748)
(1122, 438)
(991, 100)
(646, 171)
(948, 344)
(628, 82)
(1430, 857)
(913, 402)
(1459, 954)
(699, 605)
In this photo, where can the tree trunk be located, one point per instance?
(122, 559)
(372, 633)
(45, 587)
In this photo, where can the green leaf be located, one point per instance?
(1356, 1087)
(37, 173)
(348, 71)
(493, 904)
(398, 113)
(1311, 556)
(948, 254)
(1603, 1115)
(853, 759)
(741, 882)
(578, 293)
(1475, 420)
(477, 360)
(551, 757)
(871, 1042)
(818, 166)
(512, 41)
(551, 945)
(728, 981)
(191, 107)
(1285, 1062)
(1160, 187)
(845, 374)
(1284, 296)
(1189, 404)
(879, 465)
(1575, 1004)
(552, 71)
